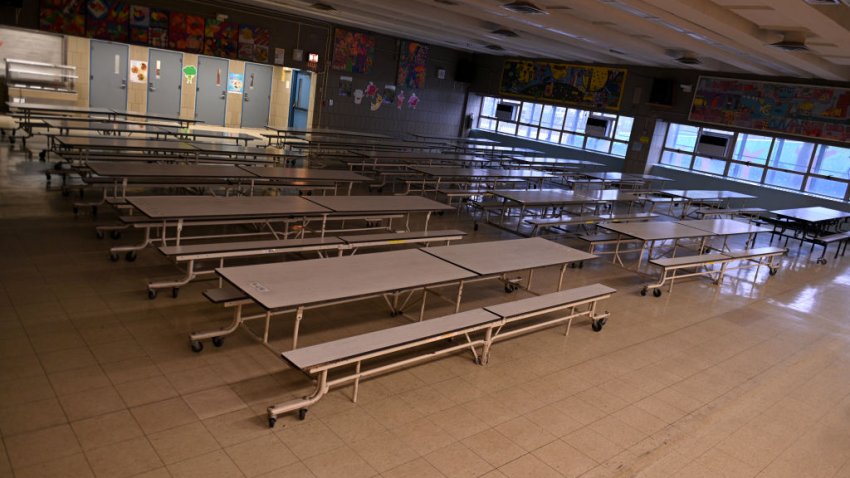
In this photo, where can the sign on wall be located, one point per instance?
(593, 87)
(803, 110)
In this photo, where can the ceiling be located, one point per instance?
(723, 35)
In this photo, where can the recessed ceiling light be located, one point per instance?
(505, 32)
(689, 60)
(528, 8)
(494, 47)
(323, 7)
(447, 2)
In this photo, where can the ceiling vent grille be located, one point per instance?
(447, 2)
(323, 7)
(494, 47)
(792, 41)
(528, 8)
(689, 60)
(505, 33)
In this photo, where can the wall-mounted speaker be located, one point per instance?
(662, 92)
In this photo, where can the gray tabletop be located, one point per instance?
(443, 172)
(231, 149)
(58, 108)
(154, 116)
(725, 227)
(812, 214)
(375, 204)
(203, 133)
(125, 143)
(608, 195)
(207, 207)
(705, 194)
(326, 131)
(105, 126)
(288, 284)
(612, 176)
(486, 258)
(656, 230)
(128, 169)
(305, 173)
(541, 197)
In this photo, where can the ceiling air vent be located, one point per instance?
(505, 32)
(494, 47)
(689, 60)
(823, 2)
(447, 2)
(323, 7)
(792, 41)
(527, 8)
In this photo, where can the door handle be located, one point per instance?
(245, 97)
(151, 87)
(123, 84)
(223, 94)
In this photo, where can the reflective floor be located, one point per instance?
(748, 378)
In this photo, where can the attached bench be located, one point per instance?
(840, 237)
(587, 220)
(427, 339)
(220, 251)
(761, 256)
(705, 212)
(607, 238)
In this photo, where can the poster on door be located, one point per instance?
(235, 83)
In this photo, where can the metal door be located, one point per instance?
(165, 82)
(108, 75)
(211, 90)
(300, 100)
(256, 96)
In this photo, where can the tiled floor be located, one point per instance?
(745, 379)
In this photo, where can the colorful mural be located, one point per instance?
(353, 51)
(804, 110)
(186, 32)
(221, 38)
(411, 65)
(576, 85)
(108, 19)
(63, 16)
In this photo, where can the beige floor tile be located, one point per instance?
(78, 380)
(214, 401)
(617, 431)
(564, 458)
(31, 416)
(261, 455)
(69, 359)
(392, 412)
(73, 466)
(552, 419)
(457, 460)
(458, 422)
(212, 465)
(237, 427)
(159, 416)
(117, 351)
(528, 466)
(106, 429)
(183, 442)
(193, 380)
(149, 390)
(40, 446)
(125, 458)
(90, 403)
(384, 451)
(494, 447)
(640, 419)
(525, 433)
(309, 439)
(295, 470)
(592, 444)
(340, 462)
(423, 435)
(131, 370)
(353, 425)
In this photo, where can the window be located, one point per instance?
(793, 164)
(556, 124)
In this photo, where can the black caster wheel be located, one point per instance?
(581, 265)
(393, 313)
(66, 193)
(380, 190)
(115, 234)
(820, 261)
(774, 270)
(218, 341)
(197, 346)
(42, 156)
(94, 211)
(47, 176)
(475, 227)
(656, 292)
(113, 257)
(302, 413)
(643, 291)
(99, 234)
(272, 421)
(131, 256)
(508, 289)
(151, 294)
(440, 213)
(175, 292)
(597, 325)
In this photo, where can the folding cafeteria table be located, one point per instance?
(194, 134)
(691, 196)
(809, 222)
(651, 232)
(727, 227)
(308, 175)
(85, 146)
(124, 173)
(377, 206)
(395, 276)
(491, 177)
(524, 200)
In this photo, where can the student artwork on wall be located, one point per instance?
(140, 23)
(575, 85)
(235, 83)
(388, 94)
(253, 43)
(108, 19)
(803, 110)
(279, 56)
(158, 33)
(353, 51)
(186, 32)
(138, 71)
(221, 38)
(411, 65)
(345, 86)
(63, 16)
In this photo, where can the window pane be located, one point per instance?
(575, 140)
(527, 132)
(624, 128)
(835, 189)
(597, 144)
(553, 117)
(488, 106)
(549, 135)
(832, 161)
(709, 165)
(530, 113)
(791, 154)
(486, 124)
(747, 173)
(783, 179)
(752, 148)
(683, 137)
(576, 120)
(681, 160)
(507, 128)
(619, 149)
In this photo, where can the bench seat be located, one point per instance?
(842, 238)
(479, 327)
(182, 252)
